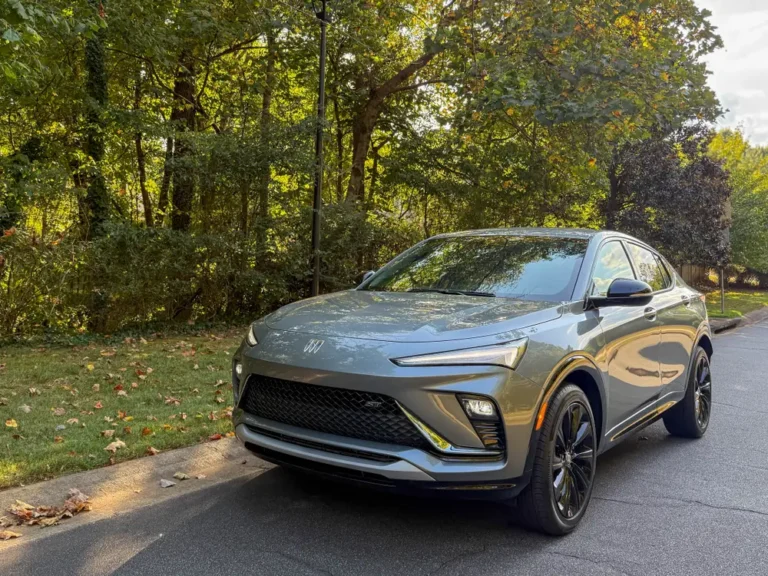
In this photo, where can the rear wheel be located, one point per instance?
(689, 418)
(558, 494)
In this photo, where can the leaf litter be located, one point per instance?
(24, 514)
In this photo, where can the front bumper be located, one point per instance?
(429, 392)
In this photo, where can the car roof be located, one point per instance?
(575, 233)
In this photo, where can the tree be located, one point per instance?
(668, 191)
(748, 169)
(97, 196)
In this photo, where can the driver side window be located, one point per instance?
(612, 262)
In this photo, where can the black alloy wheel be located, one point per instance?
(690, 417)
(572, 460)
(558, 493)
(702, 392)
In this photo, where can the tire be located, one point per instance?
(690, 417)
(564, 454)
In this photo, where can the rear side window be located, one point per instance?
(612, 263)
(648, 268)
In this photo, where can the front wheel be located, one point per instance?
(558, 494)
(689, 418)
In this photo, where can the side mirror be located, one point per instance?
(368, 275)
(623, 292)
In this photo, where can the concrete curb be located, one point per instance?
(721, 324)
(134, 484)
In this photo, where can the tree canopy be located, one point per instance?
(129, 125)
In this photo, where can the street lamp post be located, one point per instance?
(318, 196)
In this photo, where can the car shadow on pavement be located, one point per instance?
(287, 522)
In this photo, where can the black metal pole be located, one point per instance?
(318, 198)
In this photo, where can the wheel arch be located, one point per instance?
(582, 371)
(706, 342)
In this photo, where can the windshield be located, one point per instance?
(525, 267)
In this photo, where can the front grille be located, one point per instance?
(325, 447)
(350, 413)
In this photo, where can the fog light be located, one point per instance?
(239, 369)
(478, 408)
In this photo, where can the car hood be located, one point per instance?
(409, 316)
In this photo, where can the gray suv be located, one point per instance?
(492, 363)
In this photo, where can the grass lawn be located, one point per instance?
(61, 406)
(737, 302)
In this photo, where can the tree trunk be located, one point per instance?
(611, 211)
(264, 127)
(140, 160)
(162, 202)
(183, 116)
(365, 122)
(97, 196)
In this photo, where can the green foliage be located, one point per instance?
(200, 115)
(748, 169)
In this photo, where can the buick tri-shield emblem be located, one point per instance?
(313, 346)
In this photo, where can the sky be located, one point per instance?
(740, 69)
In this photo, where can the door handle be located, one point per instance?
(650, 314)
(686, 300)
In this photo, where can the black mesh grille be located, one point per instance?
(339, 411)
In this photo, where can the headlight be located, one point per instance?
(507, 355)
(251, 337)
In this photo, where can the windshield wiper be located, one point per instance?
(454, 292)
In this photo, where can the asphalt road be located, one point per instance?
(661, 505)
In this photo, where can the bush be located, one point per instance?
(135, 276)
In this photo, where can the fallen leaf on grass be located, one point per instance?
(212, 416)
(167, 427)
(118, 387)
(17, 437)
(3, 401)
(11, 423)
(107, 353)
(181, 476)
(90, 367)
(108, 419)
(122, 393)
(60, 427)
(218, 383)
(58, 439)
(34, 392)
(72, 421)
(134, 384)
(107, 433)
(146, 431)
(8, 534)
(5, 522)
(172, 400)
(230, 434)
(98, 405)
(126, 429)
(216, 436)
(166, 483)
(115, 446)
(219, 400)
(59, 411)
(26, 409)
(152, 451)
(200, 476)
(95, 387)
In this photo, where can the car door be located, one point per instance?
(679, 326)
(631, 347)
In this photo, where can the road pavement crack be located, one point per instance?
(685, 501)
(458, 558)
(595, 562)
